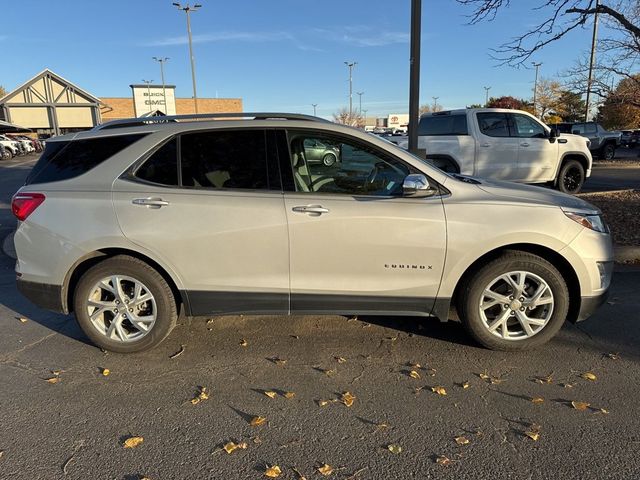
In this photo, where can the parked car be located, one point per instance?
(504, 144)
(603, 143)
(11, 146)
(625, 138)
(25, 143)
(4, 153)
(127, 225)
(317, 151)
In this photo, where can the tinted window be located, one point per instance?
(527, 127)
(443, 125)
(224, 159)
(162, 166)
(493, 124)
(354, 169)
(64, 160)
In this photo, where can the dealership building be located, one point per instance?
(50, 105)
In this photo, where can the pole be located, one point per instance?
(486, 91)
(364, 116)
(414, 74)
(314, 105)
(435, 103)
(193, 67)
(148, 82)
(350, 65)
(161, 61)
(535, 89)
(360, 98)
(592, 60)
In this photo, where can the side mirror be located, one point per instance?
(554, 133)
(416, 185)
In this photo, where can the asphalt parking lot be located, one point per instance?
(74, 426)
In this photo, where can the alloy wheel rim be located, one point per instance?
(516, 305)
(328, 160)
(571, 179)
(121, 308)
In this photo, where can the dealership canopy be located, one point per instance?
(6, 127)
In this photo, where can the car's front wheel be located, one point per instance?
(608, 151)
(514, 302)
(124, 305)
(328, 160)
(571, 177)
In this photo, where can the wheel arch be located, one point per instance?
(438, 158)
(556, 259)
(86, 262)
(580, 157)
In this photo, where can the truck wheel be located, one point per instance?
(124, 305)
(608, 151)
(571, 177)
(515, 302)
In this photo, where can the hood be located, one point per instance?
(520, 193)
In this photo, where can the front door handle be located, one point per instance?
(150, 202)
(313, 210)
(524, 144)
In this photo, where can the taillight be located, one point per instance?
(23, 204)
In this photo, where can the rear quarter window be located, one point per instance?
(443, 125)
(65, 160)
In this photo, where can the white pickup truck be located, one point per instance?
(504, 144)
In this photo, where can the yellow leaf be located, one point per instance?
(273, 471)
(22, 319)
(133, 442)
(202, 395)
(230, 446)
(56, 372)
(271, 394)
(537, 400)
(257, 421)
(431, 372)
(414, 374)
(347, 398)
(443, 460)
(439, 390)
(542, 380)
(393, 448)
(289, 395)
(495, 380)
(461, 440)
(604, 410)
(53, 380)
(324, 403)
(580, 405)
(567, 385)
(106, 372)
(533, 435)
(465, 385)
(279, 361)
(589, 376)
(414, 366)
(483, 376)
(341, 360)
(243, 343)
(330, 372)
(325, 470)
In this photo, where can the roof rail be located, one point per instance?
(135, 122)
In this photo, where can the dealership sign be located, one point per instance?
(152, 98)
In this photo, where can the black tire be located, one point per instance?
(571, 177)
(166, 307)
(329, 160)
(7, 155)
(608, 152)
(472, 292)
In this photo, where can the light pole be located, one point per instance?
(435, 103)
(314, 105)
(148, 82)
(414, 74)
(350, 65)
(161, 61)
(360, 98)
(364, 117)
(592, 60)
(486, 95)
(535, 88)
(188, 9)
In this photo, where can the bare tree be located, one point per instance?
(429, 108)
(353, 119)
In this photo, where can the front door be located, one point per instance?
(537, 156)
(356, 244)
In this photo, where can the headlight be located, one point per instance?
(592, 221)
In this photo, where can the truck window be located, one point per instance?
(493, 124)
(443, 125)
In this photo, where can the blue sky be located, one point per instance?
(278, 55)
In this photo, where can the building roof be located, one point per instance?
(47, 72)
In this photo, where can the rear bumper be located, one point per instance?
(43, 295)
(588, 305)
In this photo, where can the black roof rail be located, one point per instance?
(135, 122)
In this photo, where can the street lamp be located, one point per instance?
(360, 97)
(592, 59)
(435, 103)
(486, 91)
(161, 61)
(364, 117)
(188, 9)
(148, 82)
(314, 105)
(350, 65)
(535, 88)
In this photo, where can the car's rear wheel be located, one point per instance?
(571, 177)
(328, 160)
(6, 154)
(609, 151)
(124, 305)
(515, 302)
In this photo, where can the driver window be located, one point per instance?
(330, 165)
(528, 128)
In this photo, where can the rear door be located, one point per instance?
(496, 149)
(357, 245)
(537, 156)
(209, 205)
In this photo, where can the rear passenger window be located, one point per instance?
(443, 125)
(493, 124)
(162, 166)
(65, 160)
(225, 159)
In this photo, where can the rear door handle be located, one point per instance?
(313, 210)
(150, 202)
(524, 144)
(486, 144)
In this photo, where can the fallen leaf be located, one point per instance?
(604, 410)
(465, 385)
(330, 373)
(414, 374)
(22, 320)
(580, 405)
(414, 366)
(341, 360)
(381, 426)
(231, 447)
(324, 403)
(325, 470)
(567, 385)
(613, 356)
(544, 380)
(56, 372)
(178, 353)
(461, 440)
(270, 394)
(495, 380)
(431, 372)
(348, 399)
(289, 395)
(589, 376)
(484, 375)
(537, 400)
(366, 325)
(210, 321)
(439, 390)
(393, 448)
(279, 361)
(443, 460)
(534, 432)
(53, 380)
(106, 372)
(133, 442)
(243, 343)
(257, 421)
(273, 471)
(200, 396)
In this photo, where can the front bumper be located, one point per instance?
(588, 305)
(42, 295)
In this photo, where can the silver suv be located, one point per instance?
(135, 221)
